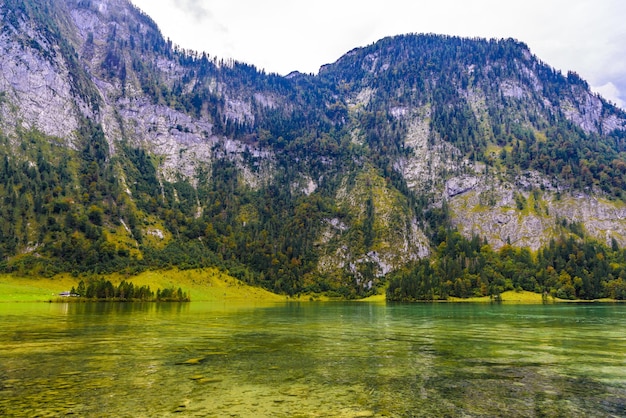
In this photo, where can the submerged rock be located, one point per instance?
(192, 361)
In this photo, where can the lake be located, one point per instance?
(332, 359)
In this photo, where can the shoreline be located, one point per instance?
(212, 285)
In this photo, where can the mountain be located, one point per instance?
(123, 152)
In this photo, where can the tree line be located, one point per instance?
(102, 289)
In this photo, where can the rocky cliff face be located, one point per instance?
(35, 84)
(186, 143)
(512, 212)
(364, 151)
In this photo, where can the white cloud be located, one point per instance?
(610, 92)
(194, 9)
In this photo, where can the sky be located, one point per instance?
(280, 36)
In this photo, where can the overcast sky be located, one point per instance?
(585, 36)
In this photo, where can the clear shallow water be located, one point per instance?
(312, 359)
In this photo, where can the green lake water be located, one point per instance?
(312, 360)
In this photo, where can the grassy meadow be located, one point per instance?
(207, 284)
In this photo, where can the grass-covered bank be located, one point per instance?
(511, 296)
(210, 284)
(207, 284)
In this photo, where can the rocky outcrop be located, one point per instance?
(35, 90)
(532, 213)
(587, 111)
(429, 157)
(395, 238)
(459, 185)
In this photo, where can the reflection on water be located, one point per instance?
(312, 359)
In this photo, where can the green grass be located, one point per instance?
(374, 298)
(33, 289)
(509, 296)
(202, 285)
(207, 284)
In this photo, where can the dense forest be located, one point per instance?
(105, 205)
(568, 268)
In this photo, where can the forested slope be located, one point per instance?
(427, 160)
